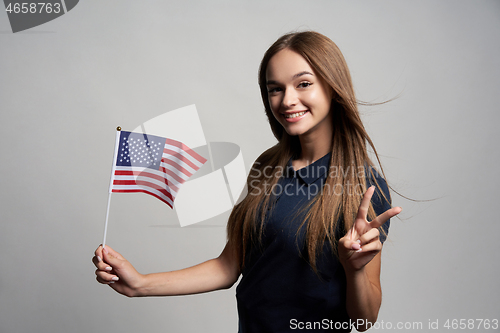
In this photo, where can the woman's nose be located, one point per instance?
(290, 98)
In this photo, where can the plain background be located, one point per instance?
(66, 85)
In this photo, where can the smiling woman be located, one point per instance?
(309, 253)
(310, 258)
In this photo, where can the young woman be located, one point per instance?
(305, 239)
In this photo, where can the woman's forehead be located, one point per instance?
(287, 65)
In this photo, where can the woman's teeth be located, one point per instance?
(293, 115)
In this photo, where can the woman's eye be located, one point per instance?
(273, 90)
(304, 84)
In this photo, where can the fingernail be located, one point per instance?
(112, 282)
(99, 259)
(115, 278)
(356, 246)
(359, 241)
(359, 250)
(108, 268)
(105, 251)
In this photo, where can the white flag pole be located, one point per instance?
(117, 144)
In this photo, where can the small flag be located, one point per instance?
(153, 165)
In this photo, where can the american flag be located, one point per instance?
(153, 165)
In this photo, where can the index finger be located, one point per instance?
(98, 254)
(365, 203)
(385, 216)
(98, 251)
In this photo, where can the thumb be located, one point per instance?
(111, 257)
(350, 244)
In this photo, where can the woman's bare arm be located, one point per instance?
(218, 273)
(360, 252)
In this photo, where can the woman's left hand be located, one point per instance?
(361, 243)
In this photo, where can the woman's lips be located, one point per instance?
(293, 117)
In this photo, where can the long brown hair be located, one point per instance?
(349, 156)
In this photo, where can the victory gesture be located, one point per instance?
(361, 243)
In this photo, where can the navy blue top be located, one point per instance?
(279, 291)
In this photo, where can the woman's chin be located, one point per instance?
(294, 130)
(294, 133)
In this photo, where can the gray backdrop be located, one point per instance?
(65, 86)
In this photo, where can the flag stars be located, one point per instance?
(139, 151)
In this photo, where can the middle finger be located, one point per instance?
(370, 236)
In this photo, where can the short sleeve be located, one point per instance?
(380, 203)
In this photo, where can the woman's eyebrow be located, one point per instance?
(302, 73)
(270, 82)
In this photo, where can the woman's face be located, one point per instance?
(299, 99)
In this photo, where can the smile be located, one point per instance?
(293, 115)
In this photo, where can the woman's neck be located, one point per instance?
(313, 147)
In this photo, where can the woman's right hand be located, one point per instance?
(114, 270)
